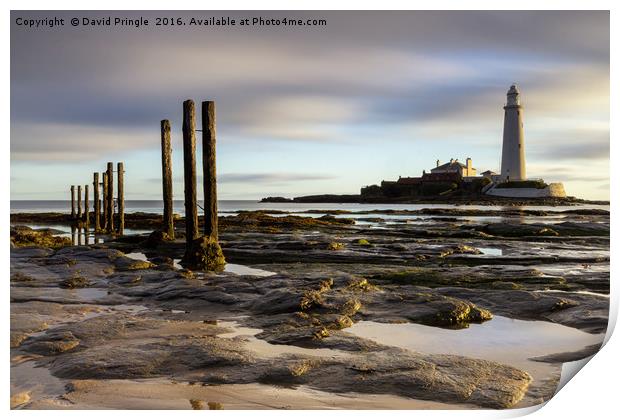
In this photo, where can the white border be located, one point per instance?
(592, 394)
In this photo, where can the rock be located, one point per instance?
(336, 220)
(155, 239)
(197, 404)
(17, 337)
(20, 398)
(425, 308)
(163, 261)
(205, 254)
(22, 325)
(163, 356)
(51, 343)
(124, 263)
(74, 282)
(586, 312)
(516, 230)
(582, 229)
(20, 277)
(335, 246)
(278, 301)
(396, 372)
(568, 356)
(23, 236)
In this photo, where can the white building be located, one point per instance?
(513, 147)
(454, 166)
(513, 160)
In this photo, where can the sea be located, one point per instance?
(229, 207)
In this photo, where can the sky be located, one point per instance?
(310, 110)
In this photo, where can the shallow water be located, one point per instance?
(264, 349)
(137, 256)
(27, 377)
(87, 295)
(504, 340)
(240, 270)
(231, 206)
(496, 252)
(244, 270)
(81, 236)
(581, 292)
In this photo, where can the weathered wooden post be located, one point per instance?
(104, 200)
(86, 209)
(96, 202)
(73, 201)
(203, 252)
(79, 201)
(189, 166)
(208, 169)
(166, 176)
(110, 198)
(121, 197)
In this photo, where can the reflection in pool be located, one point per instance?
(496, 252)
(504, 340)
(500, 339)
(244, 270)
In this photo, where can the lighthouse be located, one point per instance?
(513, 147)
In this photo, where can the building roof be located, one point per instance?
(449, 165)
(409, 180)
(441, 177)
(488, 172)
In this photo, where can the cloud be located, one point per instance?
(594, 173)
(369, 82)
(272, 178)
(64, 142)
(258, 178)
(413, 66)
(583, 151)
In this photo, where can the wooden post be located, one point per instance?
(73, 201)
(79, 201)
(121, 197)
(166, 176)
(96, 202)
(208, 169)
(110, 198)
(86, 208)
(189, 163)
(105, 201)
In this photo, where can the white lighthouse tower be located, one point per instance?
(513, 147)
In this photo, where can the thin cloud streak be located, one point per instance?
(258, 178)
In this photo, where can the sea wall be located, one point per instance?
(552, 190)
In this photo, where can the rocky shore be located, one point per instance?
(459, 199)
(120, 324)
